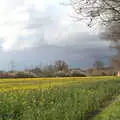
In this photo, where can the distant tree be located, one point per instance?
(61, 65)
(49, 70)
(98, 64)
(36, 70)
(90, 71)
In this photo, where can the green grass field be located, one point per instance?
(89, 98)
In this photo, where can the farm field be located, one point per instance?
(112, 112)
(43, 83)
(80, 98)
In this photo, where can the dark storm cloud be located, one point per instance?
(73, 55)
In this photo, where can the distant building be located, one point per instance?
(118, 74)
(102, 71)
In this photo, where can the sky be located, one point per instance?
(34, 32)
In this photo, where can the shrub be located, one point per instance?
(77, 74)
(60, 74)
(25, 75)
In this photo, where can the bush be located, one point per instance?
(77, 74)
(25, 75)
(60, 74)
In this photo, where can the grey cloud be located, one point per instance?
(44, 27)
(73, 55)
(49, 40)
(44, 18)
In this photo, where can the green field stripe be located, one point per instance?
(112, 112)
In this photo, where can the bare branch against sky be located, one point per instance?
(103, 12)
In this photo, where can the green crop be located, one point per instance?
(76, 101)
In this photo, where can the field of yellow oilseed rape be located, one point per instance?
(74, 98)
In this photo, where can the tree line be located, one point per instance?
(58, 69)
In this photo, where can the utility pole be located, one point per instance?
(12, 65)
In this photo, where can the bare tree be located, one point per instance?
(106, 11)
(112, 33)
(102, 12)
(61, 65)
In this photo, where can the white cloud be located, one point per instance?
(25, 23)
